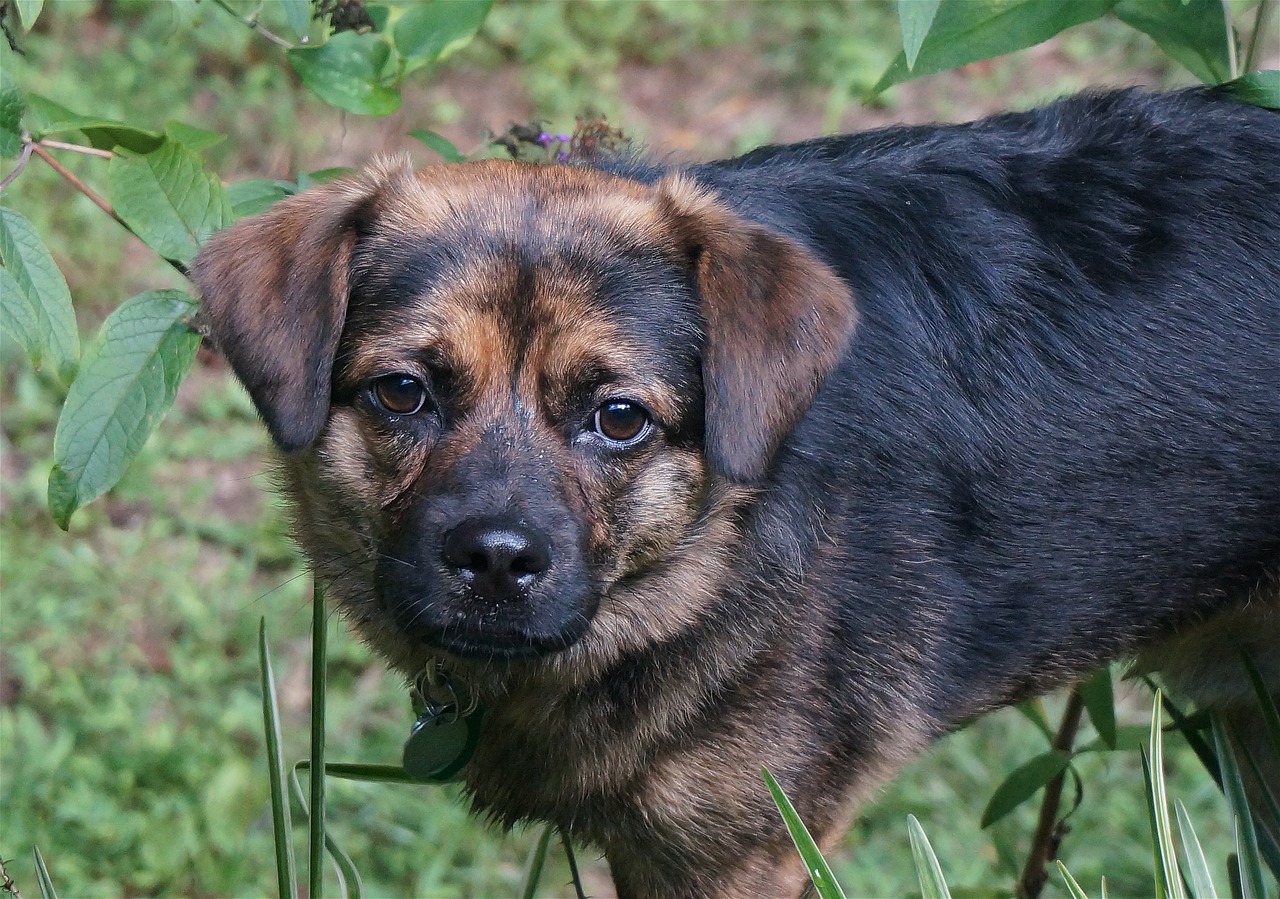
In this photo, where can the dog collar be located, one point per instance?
(446, 730)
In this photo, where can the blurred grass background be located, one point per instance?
(130, 718)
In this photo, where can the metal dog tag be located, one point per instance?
(440, 743)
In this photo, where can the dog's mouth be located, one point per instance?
(493, 644)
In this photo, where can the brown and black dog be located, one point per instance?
(795, 460)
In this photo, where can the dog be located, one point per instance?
(796, 460)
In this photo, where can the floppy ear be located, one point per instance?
(274, 295)
(778, 320)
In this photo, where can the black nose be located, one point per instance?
(498, 560)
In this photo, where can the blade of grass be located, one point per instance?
(349, 883)
(1250, 864)
(42, 875)
(1194, 864)
(286, 870)
(1161, 877)
(1165, 852)
(537, 861)
(819, 871)
(381, 774)
(1266, 702)
(932, 884)
(1072, 887)
(316, 830)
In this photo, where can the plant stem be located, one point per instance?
(1233, 56)
(77, 183)
(1048, 836)
(76, 148)
(253, 23)
(23, 159)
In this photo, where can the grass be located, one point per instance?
(131, 745)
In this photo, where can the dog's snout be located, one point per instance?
(499, 561)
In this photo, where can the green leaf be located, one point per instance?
(286, 868)
(42, 875)
(1099, 699)
(256, 195)
(168, 199)
(1252, 884)
(1258, 88)
(932, 884)
(1073, 888)
(12, 106)
(1195, 33)
(819, 871)
(28, 12)
(1033, 711)
(297, 13)
(191, 137)
(127, 381)
(49, 119)
(428, 32)
(965, 31)
(347, 72)
(915, 17)
(440, 145)
(1023, 783)
(1166, 855)
(1194, 864)
(35, 304)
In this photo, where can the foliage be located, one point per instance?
(145, 764)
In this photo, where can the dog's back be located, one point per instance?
(1056, 431)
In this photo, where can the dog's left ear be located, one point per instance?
(274, 297)
(778, 320)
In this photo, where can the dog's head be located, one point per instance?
(508, 394)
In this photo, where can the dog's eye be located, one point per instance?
(622, 421)
(399, 394)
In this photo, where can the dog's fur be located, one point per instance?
(941, 417)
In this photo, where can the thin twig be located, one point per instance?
(253, 23)
(1044, 844)
(98, 201)
(76, 148)
(573, 866)
(23, 158)
(76, 182)
(7, 884)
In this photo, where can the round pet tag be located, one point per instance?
(440, 744)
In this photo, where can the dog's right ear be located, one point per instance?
(274, 296)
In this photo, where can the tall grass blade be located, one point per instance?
(932, 884)
(1266, 702)
(1194, 864)
(349, 884)
(42, 875)
(377, 774)
(315, 816)
(286, 868)
(1161, 877)
(819, 871)
(537, 861)
(1252, 885)
(1073, 888)
(1166, 855)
